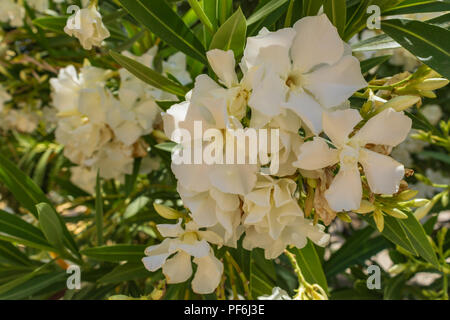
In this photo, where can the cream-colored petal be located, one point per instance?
(338, 125)
(157, 255)
(170, 230)
(316, 154)
(333, 85)
(317, 42)
(178, 268)
(345, 192)
(307, 108)
(208, 274)
(388, 127)
(223, 64)
(382, 172)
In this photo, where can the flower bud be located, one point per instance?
(344, 217)
(167, 212)
(401, 103)
(432, 84)
(428, 94)
(397, 269)
(407, 194)
(423, 211)
(396, 213)
(379, 219)
(366, 207)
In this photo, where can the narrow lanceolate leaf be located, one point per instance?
(15, 229)
(357, 249)
(116, 253)
(13, 255)
(99, 210)
(408, 234)
(429, 43)
(311, 7)
(265, 11)
(262, 274)
(310, 265)
(418, 6)
(160, 19)
(231, 35)
(368, 64)
(148, 75)
(336, 12)
(125, 272)
(55, 24)
(26, 192)
(51, 225)
(30, 284)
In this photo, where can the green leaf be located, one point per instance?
(356, 249)
(134, 207)
(265, 11)
(29, 284)
(436, 155)
(368, 64)
(393, 288)
(380, 42)
(418, 6)
(336, 11)
(125, 272)
(160, 19)
(15, 229)
(310, 265)
(55, 24)
(13, 255)
(99, 210)
(429, 43)
(262, 274)
(148, 75)
(26, 192)
(51, 225)
(231, 35)
(311, 7)
(408, 234)
(117, 252)
(39, 172)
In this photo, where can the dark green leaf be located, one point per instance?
(368, 64)
(126, 272)
(262, 274)
(50, 225)
(265, 11)
(336, 12)
(231, 35)
(117, 252)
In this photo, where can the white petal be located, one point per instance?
(225, 201)
(170, 230)
(157, 255)
(188, 176)
(202, 206)
(233, 178)
(307, 108)
(315, 155)
(208, 274)
(317, 42)
(178, 268)
(223, 64)
(388, 127)
(173, 116)
(345, 191)
(196, 249)
(270, 49)
(333, 85)
(382, 172)
(339, 124)
(268, 93)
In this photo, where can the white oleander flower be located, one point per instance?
(174, 254)
(39, 5)
(84, 177)
(274, 220)
(383, 174)
(206, 103)
(12, 12)
(300, 71)
(4, 96)
(176, 67)
(224, 64)
(214, 208)
(114, 160)
(277, 294)
(21, 120)
(88, 27)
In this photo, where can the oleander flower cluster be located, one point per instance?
(101, 129)
(299, 84)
